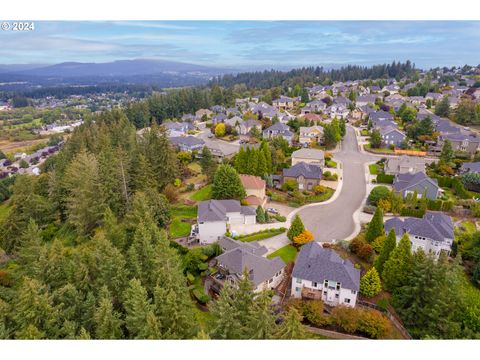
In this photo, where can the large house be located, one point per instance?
(187, 143)
(310, 134)
(366, 99)
(470, 167)
(313, 106)
(392, 136)
(246, 126)
(214, 217)
(278, 129)
(285, 102)
(433, 233)
(321, 274)
(305, 175)
(309, 156)
(404, 164)
(239, 257)
(255, 189)
(175, 129)
(469, 143)
(409, 183)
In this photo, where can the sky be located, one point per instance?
(243, 44)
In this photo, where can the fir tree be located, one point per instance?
(447, 155)
(387, 248)
(370, 284)
(292, 328)
(262, 320)
(227, 184)
(296, 228)
(107, 320)
(397, 267)
(208, 163)
(260, 215)
(241, 161)
(375, 227)
(265, 148)
(261, 164)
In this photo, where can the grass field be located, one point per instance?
(202, 194)
(287, 253)
(261, 235)
(373, 169)
(331, 164)
(178, 228)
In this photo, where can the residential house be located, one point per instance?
(337, 111)
(187, 143)
(309, 156)
(366, 99)
(246, 126)
(404, 164)
(392, 136)
(200, 113)
(464, 142)
(188, 118)
(433, 96)
(409, 183)
(314, 106)
(215, 216)
(321, 274)
(219, 118)
(312, 117)
(175, 129)
(285, 102)
(433, 233)
(310, 134)
(470, 167)
(255, 190)
(305, 175)
(278, 129)
(239, 257)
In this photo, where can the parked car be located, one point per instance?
(272, 210)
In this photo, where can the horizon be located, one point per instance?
(239, 45)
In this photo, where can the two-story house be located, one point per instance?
(410, 183)
(187, 143)
(321, 274)
(278, 129)
(255, 190)
(309, 134)
(307, 176)
(392, 136)
(309, 156)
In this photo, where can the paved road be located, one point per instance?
(334, 221)
(227, 148)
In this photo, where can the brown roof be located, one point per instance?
(253, 200)
(252, 182)
(311, 116)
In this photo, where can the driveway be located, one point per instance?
(335, 220)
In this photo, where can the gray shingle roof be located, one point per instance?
(433, 225)
(471, 166)
(243, 256)
(308, 171)
(407, 180)
(186, 140)
(314, 154)
(216, 210)
(317, 264)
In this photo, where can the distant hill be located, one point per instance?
(120, 68)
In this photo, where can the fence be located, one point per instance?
(410, 152)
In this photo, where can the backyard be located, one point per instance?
(179, 227)
(288, 253)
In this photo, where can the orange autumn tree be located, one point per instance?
(305, 237)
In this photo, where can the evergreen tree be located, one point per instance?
(447, 154)
(375, 139)
(443, 107)
(330, 136)
(85, 204)
(208, 163)
(31, 251)
(107, 320)
(241, 161)
(397, 267)
(143, 178)
(265, 148)
(262, 320)
(252, 158)
(260, 215)
(387, 248)
(114, 231)
(110, 180)
(296, 228)
(140, 318)
(227, 184)
(370, 284)
(261, 164)
(292, 328)
(375, 227)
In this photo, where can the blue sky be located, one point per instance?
(238, 44)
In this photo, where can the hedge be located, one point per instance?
(412, 212)
(383, 178)
(455, 184)
(439, 205)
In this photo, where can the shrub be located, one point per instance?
(289, 185)
(305, 237)
(346, 318)
(319, 189)
(377, 244)
(171, 193)
(385, 178)
(373, 324)
(200, 295)
(385, 205)
(370, 284)
(361, 248)
(378, 193)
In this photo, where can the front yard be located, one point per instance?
(288, 253)
(373, 168)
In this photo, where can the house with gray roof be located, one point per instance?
(461, 141)
(321, 274)
(187, 143)
(246, 126)
(178, 128)
(433, 233)
(404, 164)
(219, 118)
(215, 216)
(392, 136)
(240, 256)
(363, 100)
(470, 167)
(307, 176)
(278, 129)
(409, 183)
(308, 156)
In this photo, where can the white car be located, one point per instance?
(272, 210)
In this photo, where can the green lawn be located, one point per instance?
(202, 194)
(373, 169)
(364, 132)
(287, 253)
(321, 197)
(261, 235)
(331, 164)
(178, 228)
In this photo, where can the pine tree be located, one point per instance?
(143, 178)
(107, 321)
(265, 148)
(110, 180)
(443, 107)
(85, 205)
(260, 215)
(241, 161)
(296, 228)
(252, 159)
(397, 267)
(261, 164)
(375, 227)
(262, 320)
(292, 328)
(447, 154)
(370, 284)
(114, 231)
(227, 184)
(31, 251)
(208, 163)
(387, 248)
(140, 318)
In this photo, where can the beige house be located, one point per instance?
(308, 156)
(255, 189)
(310, 134)
(199, 113)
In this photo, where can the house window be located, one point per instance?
(338, 286)
(299, 281)
(336, 296)
(354, 292)
(314, 284)
(347, 301)
(297, 289)
(324, 293)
